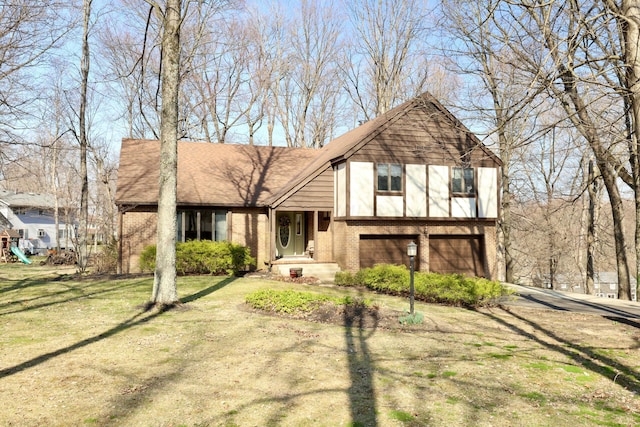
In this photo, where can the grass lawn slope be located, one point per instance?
(85, 351)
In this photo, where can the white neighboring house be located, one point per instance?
(32, 215)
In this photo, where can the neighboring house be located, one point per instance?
(32, 216)
(413, 174)
(605, 284)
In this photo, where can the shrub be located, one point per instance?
(411, 319)
(148, 259)
(385, 278)
(106, 259)
(454, 289)
(203, 257)
(346, 278)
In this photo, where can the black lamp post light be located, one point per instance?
(412, 250)
(412, 317)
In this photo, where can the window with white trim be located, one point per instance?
(41, 232)
(389, 177)
(462, 181)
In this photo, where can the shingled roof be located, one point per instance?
(209, 174)
(27, 200)
(248, 175)
(350, 142)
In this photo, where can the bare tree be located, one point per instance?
(29, 31)
(568, 50)
(627, 15)
(83, 140)
(308, 91)
(164, 285)
(504, 98)
(386, 53)
(105, 171)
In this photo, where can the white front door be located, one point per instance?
(290, 233)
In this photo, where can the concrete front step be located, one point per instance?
(325, 272)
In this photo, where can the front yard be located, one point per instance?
(85, 352)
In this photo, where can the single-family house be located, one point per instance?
(32, 216)
(605, 284)
(415, 173)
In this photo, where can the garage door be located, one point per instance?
(457, 254)
(376, 249)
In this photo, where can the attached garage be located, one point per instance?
(457, 254)
(386, 249)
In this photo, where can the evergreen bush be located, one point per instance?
(203, 257)
(453, 289)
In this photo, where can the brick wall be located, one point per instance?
(139, 229)
(250, 228)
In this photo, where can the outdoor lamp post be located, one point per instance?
(412, 250)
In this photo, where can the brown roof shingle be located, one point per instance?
(208, 174)
(350, 142)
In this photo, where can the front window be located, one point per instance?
(462, 181)
(205, 224)
(389, 177)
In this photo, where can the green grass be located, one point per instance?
(401, 416)
(536, 397)
(87, 351)
(539, 365)
(573, 369)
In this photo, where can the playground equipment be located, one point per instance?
(9, 250)
(21, 256)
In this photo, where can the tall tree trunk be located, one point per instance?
(165, 290)
(578, 114)
(84, 195)
(592, 190)
(630, 24)
(505, 257)
(627, 12)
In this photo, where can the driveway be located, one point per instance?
(578, 303)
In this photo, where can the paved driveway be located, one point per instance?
(566, 301)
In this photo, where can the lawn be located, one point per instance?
(86, 352)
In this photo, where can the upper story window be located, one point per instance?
(462, 181)
(389, 177)
(20, 211)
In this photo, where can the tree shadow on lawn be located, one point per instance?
(144, 316)
(360, 324)
(580, 306)
(362, 397)
(585, 356)
(207, 291)
(74, 293)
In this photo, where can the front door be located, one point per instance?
(290, 233)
